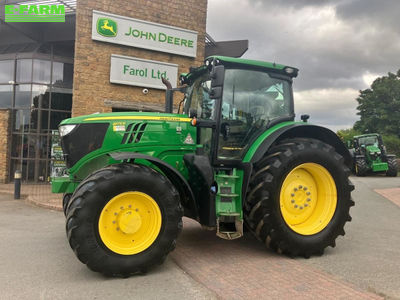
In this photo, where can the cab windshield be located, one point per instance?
(368, 141)
(251, 100)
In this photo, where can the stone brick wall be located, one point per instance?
(92, 85)
(4, 145)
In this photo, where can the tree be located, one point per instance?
(346, 135)
(379, 106)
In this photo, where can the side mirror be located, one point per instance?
(216, 92)
(217, 76)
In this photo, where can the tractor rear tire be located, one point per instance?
(393, 168)
(299, 197)
(360, 167)
(124, 219)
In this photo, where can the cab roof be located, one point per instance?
(240, 63)
(365, 135)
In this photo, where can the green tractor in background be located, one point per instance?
(233, 157)
(369, 155)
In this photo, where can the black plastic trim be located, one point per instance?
(201, 176)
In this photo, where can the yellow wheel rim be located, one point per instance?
(130, 223)
(308, 198)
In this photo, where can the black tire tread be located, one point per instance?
(393, 168)
(361, 167)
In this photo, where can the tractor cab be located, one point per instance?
(234, 101)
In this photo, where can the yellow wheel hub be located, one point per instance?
(308, 198)
(130, 223)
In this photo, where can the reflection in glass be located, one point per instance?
(24, 70)
(61, 99)
(6, 71)
(57, 117)
(37, 146)
(19, 146)
(21, 120)
(41, 71)
(33, 145)
(44, 124)
(23, 95)
(34, 120)
(42, 170)
(6, 96)
(40, 96)
(62, 75)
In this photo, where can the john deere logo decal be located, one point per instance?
(107, 27)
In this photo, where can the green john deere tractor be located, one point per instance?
(233, 157)
(369, 155)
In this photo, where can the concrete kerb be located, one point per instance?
(38, 195)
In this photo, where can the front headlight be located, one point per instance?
(65, 129)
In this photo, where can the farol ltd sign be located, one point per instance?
(127, 31)
(141, 72)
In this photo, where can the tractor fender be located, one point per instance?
(304, 130)
(185, 192)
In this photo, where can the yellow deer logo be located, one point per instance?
(107, 27)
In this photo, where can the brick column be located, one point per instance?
(5, 136)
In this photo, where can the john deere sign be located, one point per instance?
(106, 27)
(142, 34)
(141, 72)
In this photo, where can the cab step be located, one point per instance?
(229, 226)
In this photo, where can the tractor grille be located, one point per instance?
(134, 133)
(84, 139)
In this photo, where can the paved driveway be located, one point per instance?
(369, 254)
(36, 262)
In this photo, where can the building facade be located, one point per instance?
(107, 56)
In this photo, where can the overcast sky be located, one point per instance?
(339, 46)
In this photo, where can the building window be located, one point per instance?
(39, 94)
(6, 71)
(6, 94)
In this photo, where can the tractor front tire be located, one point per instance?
(124, 219)
(65, 202)
(299, 197)
(360, 167)
(393, 168)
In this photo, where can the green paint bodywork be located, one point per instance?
(234, 182)
(164, 139)
(253, 148)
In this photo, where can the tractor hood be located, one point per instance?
(373, 149)
(85, 137)
(125, 116)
